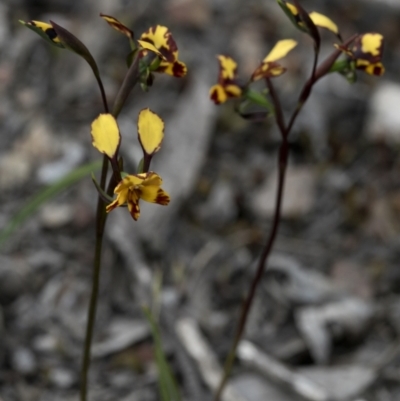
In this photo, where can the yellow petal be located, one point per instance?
(218, 94)
(233, 90)
(117, 25)
(370, 68)
(158, 35)
(150, 131)
(176, 68)
(115, 203)
(228, 67)
(105, 135)
(151, 190)
(280, 50)
(324, 22)
(148, 46)
(372, 43)
(155, 195)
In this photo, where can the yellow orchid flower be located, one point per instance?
(227, 86)
(161, 38)
(132, 188)
(366, 52)
(269, 67)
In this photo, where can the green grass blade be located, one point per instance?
(167, 383)
(45, 195)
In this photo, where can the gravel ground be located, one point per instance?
(326, 319)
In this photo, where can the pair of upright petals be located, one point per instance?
(106, 139)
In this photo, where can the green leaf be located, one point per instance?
(346, 68)
(167, 383)
(102, 193)
(45, 195)
(259, 99)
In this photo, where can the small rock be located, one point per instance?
(255, 388)
(56, 215)
(382, 221)
(45, 258)
(220, 208)
(23, 361)
(341, 382)
(62, 377)
(384, 116)
(353, 278)
(189, 12)
(37, 146)
(73, 155)
(121, 334)
(13, 278)
(299, 193)
(45, 343)
(320, 325)
(287, 281)
(14, 171)
(337, 180)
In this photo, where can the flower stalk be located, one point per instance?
(368, 60)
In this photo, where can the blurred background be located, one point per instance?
(326, 319)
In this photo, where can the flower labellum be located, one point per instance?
(132, 188)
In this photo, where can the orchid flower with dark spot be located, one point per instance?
(227, 86)
(161, 38)
(365, 53)
(132, 188)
